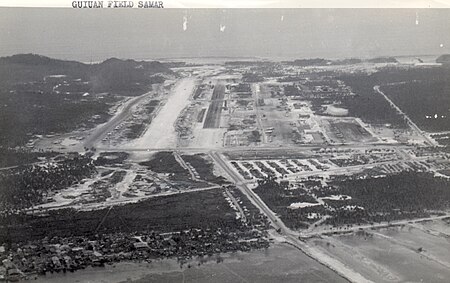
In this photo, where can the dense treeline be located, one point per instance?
(204, 168)
(26, 114)
(372, 107)
(407, 191)
(111, 158)
(405, 195)
(13, 157)
(426, 102)
(279, 198)
(276, 195)
(164, 162)
(206, 210)
(368, 104)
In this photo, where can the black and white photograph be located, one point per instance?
(261, 141)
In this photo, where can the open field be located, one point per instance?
(440, 227)
(396, 254)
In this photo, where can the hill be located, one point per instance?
(34, 59)
(443, 59)
(383, 60)
(124, 75)
(112, 75)
(41, 95)
(324, 62)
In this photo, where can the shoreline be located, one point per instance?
(243, 266)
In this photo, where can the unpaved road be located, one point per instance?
(406, 117)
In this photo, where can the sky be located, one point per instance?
(97, 34)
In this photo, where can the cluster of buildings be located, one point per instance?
(67, 254)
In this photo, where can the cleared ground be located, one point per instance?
(161, 132)
(347, 130)
(393, 255)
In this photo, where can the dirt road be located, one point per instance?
(410, 122)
